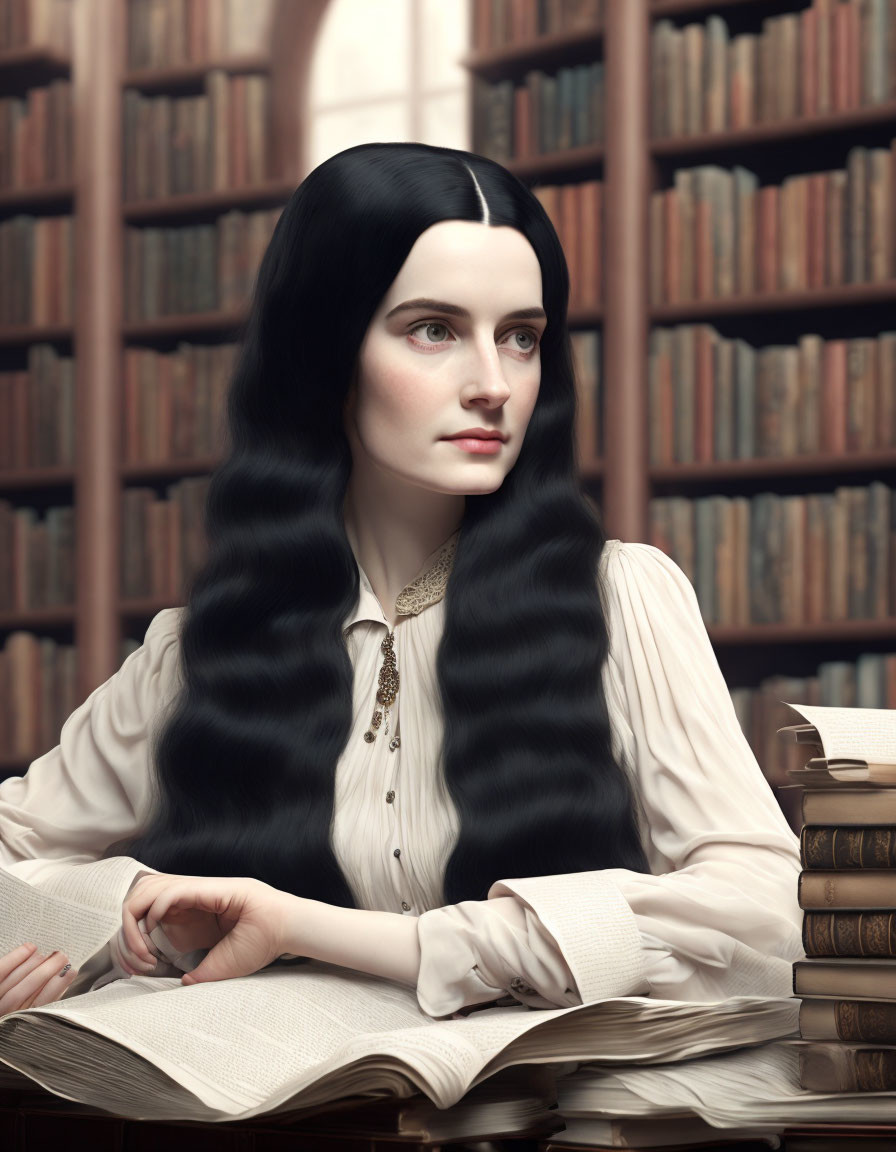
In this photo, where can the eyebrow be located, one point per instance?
(423, 303)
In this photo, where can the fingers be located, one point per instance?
(39, 978)
(16, 974)
(136, 946)
(12, 960)
(126, 959)
(157, 896)
(56, 985)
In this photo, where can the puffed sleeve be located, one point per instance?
(95, 786)
(719, 915)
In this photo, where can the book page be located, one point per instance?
(33, 916)
(100, 884)
(853, 733)
(756, 1086)
(232, 1043)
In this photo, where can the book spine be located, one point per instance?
(870, 933)
(836, 1068)
(836, 848)
(861, 1021)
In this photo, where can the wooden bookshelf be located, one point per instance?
(99, 334)
(576, 161)
(14, 479)
(31, 65)
(53, 196)
(190, 77)
(201, 205)
(21, 335)
(767, 468)
(23, 69)
(562, 48)
(695, 8)
(166, 328)
(820, 299)
(784, 131)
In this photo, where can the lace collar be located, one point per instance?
(424, 590)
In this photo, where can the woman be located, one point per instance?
(418, 718)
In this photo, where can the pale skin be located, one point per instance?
(424, 374)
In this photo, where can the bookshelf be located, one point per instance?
(38, 209)
(812, 122)
(118, 57)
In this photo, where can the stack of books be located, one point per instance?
(847, 889)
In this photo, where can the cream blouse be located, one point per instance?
(718, 917)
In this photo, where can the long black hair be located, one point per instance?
(246, 759)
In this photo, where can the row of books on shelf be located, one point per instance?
(175, 403)
(37, 137)
(715, 398)
(24, 23)
(38, 692)
(576, 210)
(217, 141)
(168, 33)
(37, 255)
(173, 406)
(770, 559)
(716, 233)
(163, 538)
(587, 356)
(505, 23)
(37, 411)
(794, 559)
(784, 559)
(711, 399)
(37, 557)
(197, 268)
(162, 542)
(546, 113)
(833, 56)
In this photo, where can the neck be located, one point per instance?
(393, 545)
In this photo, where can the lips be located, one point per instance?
(477, 434)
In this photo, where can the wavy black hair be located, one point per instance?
(246, 760)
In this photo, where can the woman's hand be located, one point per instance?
(244, 922)
(29, 978)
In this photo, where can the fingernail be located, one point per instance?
(67, 968)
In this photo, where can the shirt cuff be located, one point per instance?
(593, 925)
(478, 951)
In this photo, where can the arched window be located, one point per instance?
(388, 71)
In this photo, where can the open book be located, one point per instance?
(288, 1039)
(852, 744)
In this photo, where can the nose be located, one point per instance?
(487, 378)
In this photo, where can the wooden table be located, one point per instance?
(42, 1122)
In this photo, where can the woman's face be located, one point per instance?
(462, 358)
